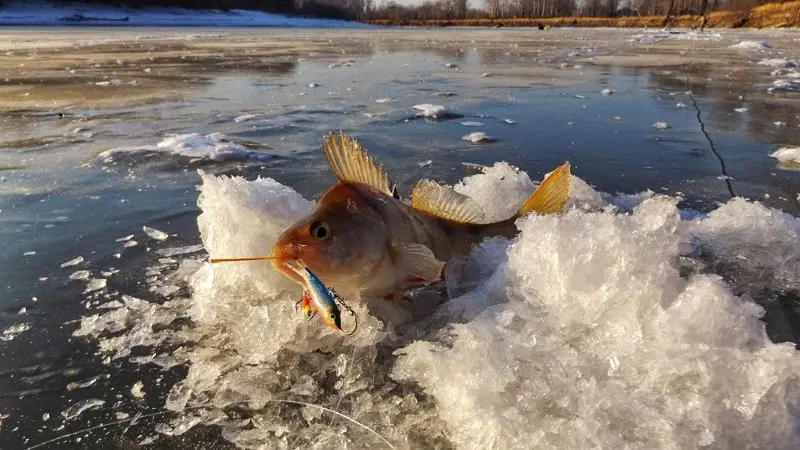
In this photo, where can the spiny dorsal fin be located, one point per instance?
(351, 163)
(444, 202)
(552, 195)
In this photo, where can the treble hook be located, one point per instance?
(340, 300)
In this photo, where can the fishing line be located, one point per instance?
(346, 373)
(161, 413)
(222, 260)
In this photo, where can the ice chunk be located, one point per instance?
(155, 234)
(660, 125)
(607, 91)
(211, 147)
(125, 238)
(175, 251)
(15, 330)
(80, 275)
(431, 111)
(137, 391)
(741, 110)
(508, 121)
(478, 137)
(425, 163)
(384, 100)
(779, 62)
(29, 253)
(313, 85)
(785, 86)
(129, 244)
(246, 117)
(751, 45)
(471, 123)
(115, 82)
(73, 262)
(788, 157)
(78, 408)
(95, 284)
(485, 74)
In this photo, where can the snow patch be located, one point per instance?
(751, 45)
(211, 147)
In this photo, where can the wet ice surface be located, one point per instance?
(643, 331)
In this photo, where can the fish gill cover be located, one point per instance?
(605, 327)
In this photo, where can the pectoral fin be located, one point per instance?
(421, 262)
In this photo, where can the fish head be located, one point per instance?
(340, 240)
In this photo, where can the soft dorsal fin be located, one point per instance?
(444, 202)
(351, 163)
(552, 195)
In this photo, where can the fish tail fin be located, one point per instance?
(551, 196)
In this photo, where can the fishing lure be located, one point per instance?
(321, 299)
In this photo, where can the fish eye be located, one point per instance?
(320, 230)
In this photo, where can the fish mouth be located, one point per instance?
(280, 255)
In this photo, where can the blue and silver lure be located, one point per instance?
(320, 299)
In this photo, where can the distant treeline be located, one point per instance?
(390, 11)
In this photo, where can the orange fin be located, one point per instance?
(552, 195)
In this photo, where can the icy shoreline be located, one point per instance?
(79, 14)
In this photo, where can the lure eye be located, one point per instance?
(320, 231)
(333, 316)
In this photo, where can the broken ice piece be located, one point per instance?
(73, 262)
(680, 105)
(79, 275)
(14, 331)
(122, 415)
(83, 405)
(155, 234)
(29, 253)
(313, 85)
(580, 96)
(741, 110)
(485, 74)
(508, 121)
(129, 244)
(137, 391)
(95, 284)
(174, 251)
(470, 123)
(425, 163)
(430, 110)
(779, 124)
(478, 137)
(148, 440)
(384, 100)
(451, 65)
(607, 91)
(660, 125)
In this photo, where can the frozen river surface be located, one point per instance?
(660, 312)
